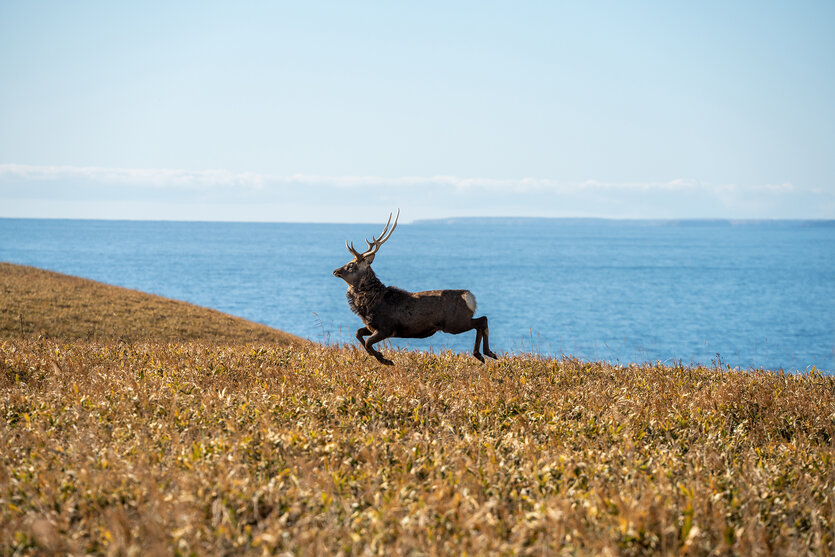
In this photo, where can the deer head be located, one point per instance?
(353, 271)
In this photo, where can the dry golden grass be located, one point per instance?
(34, 302)
(202, 448)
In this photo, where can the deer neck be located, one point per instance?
(363, 296)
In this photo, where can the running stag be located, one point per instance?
(391, 312)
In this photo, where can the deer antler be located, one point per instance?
(355, 253)
(375, 243)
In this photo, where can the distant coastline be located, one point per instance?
(489, 220)
(628, 221)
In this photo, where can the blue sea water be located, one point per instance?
(757, 294)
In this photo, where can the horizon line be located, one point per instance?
(729, 220)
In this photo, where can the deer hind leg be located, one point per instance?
(478, 335)
(375, 337)
(486, 343)
(480, 326)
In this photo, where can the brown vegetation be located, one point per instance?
(148, 448)
(35, 302)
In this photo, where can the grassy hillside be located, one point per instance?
(35, 302)
(204, 448)
(132, 424)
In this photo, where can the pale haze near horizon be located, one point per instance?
(341, 112)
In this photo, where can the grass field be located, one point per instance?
(143, 447)
(35, 302)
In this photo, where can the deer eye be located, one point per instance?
(351, 266)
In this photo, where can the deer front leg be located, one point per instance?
(375, 337)
(361, 334)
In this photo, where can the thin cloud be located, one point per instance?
(217, 178)
(151, 177)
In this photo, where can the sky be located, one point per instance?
(344, 111)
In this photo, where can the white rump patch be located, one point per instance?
(470, 300)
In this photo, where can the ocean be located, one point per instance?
(749, 294)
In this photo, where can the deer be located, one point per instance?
(388, 311)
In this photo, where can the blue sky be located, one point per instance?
(343, 111)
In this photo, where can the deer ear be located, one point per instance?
(370, 258)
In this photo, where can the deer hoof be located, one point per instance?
(386, 361)
(478, 356)
(492, 355)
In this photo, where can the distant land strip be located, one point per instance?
(630, 221)
(35, 302)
